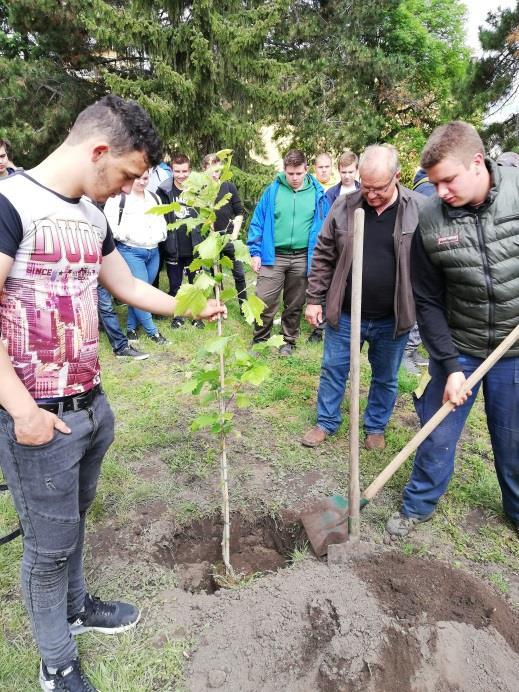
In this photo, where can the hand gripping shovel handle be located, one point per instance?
(433, 422)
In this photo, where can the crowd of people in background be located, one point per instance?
(439, 264)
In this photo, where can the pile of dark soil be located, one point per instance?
(380, 622)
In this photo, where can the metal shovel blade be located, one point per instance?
(326, 522)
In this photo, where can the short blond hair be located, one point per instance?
(457, 139)
(348, 158)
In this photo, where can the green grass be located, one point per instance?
(156, 459)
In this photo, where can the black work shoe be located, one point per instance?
(69, 678)
(177, 322)
(198, 324)
(109, 617)
(315, 337)
(286, 349)
(130, 352)
(158, 339)
(131, 334)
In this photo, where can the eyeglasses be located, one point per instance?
(378, 190)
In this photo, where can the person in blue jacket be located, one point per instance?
(281, 240)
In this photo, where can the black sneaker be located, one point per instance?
(110, 617)
(177, 322)
(132, 335)
(69, 678)
(130, 352)
(158, 339)
(198, 324)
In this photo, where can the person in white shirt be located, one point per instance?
(348, 165)
(138, 235)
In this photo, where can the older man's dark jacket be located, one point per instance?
(333, 256)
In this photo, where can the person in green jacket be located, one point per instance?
(282, 235)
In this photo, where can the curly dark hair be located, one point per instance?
(127, 125)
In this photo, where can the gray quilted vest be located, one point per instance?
(478, 253)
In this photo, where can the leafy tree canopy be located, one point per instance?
(328, 73)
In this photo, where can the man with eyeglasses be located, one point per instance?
(387, 311)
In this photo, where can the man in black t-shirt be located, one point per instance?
(387, 309)
(229, 220)
(180, 244)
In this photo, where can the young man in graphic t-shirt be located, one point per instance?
(55, 423)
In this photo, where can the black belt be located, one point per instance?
(304, 251)
(75, 402)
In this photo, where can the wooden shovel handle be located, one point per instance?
(433, 422)
(356, 307)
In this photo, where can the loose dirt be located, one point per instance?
(381, 622)
(314, 627)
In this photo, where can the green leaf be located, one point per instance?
(241, 252)
(190, 299)
(222, 202)
(210, 247)
(256, 375)
(228, 294)
(204, 281)
(217, 345)
(241, 357)
(196, 264)
(226, 262)
(252, 309)
(206, 420)
(242, 400)
(275, 341)
(189, 387)
(165, 208)
(158, 210)
(189, 223)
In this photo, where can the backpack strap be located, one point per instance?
(122, 202)
(14, 534)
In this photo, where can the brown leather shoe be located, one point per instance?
(314, 437)
(375, 441)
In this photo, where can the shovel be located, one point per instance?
(327, 521)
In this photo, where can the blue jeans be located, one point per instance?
(384, 354)
(52, 486)
(434, 460)
(144, 265)
(109, 320)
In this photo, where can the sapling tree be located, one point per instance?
(224, 368)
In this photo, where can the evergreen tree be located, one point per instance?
(198, 66)
(494, 84)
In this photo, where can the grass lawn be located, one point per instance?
(156, 461)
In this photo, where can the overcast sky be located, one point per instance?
(476, 14)
(477, 11)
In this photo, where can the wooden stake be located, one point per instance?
(226, 538)
(356, 300)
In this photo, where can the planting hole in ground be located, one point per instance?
(257, 546)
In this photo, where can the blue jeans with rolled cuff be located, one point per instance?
(144, 265)
(52, 486)
(384, 354)
(434, 461)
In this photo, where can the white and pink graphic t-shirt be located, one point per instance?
(48, 305)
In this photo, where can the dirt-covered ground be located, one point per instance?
(377, 621)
